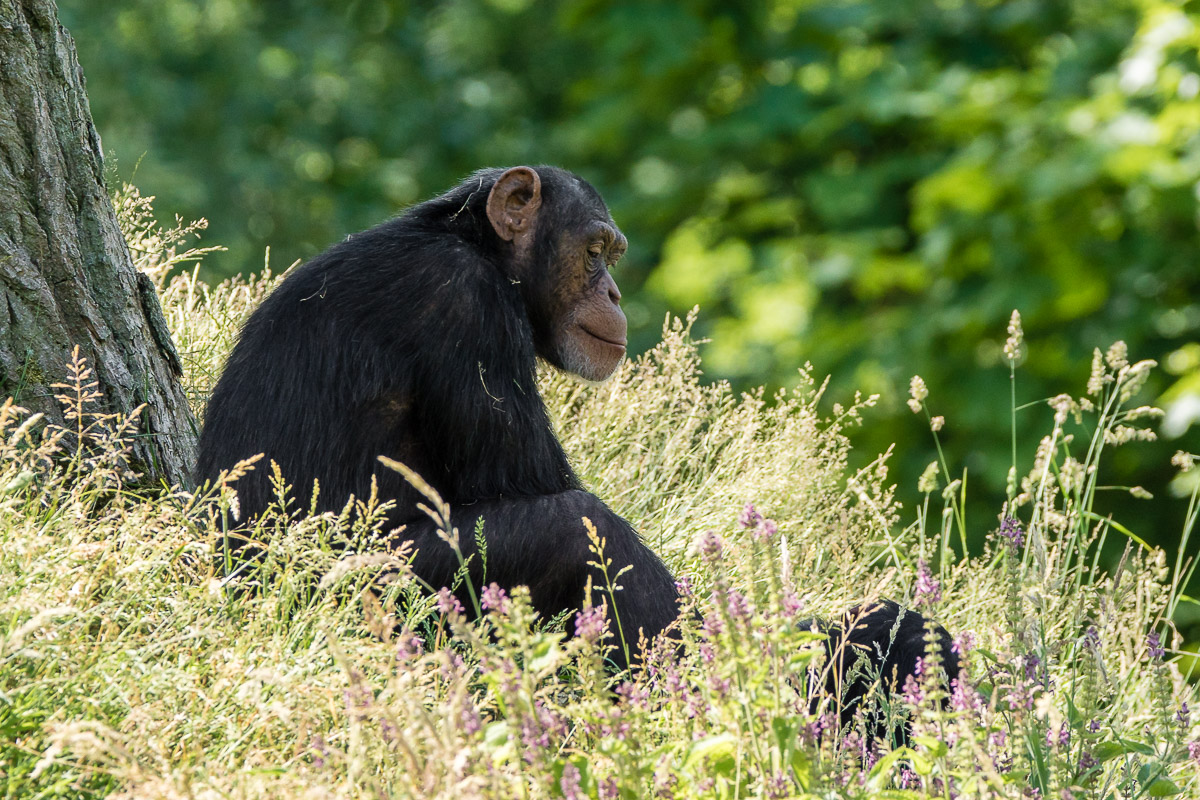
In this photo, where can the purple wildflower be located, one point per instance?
(608, 789)
(766, 530)
(871, 756)
(494, 598)
(469, 721)
(792, 605)
(683, 585)
(815, 730)
(450, 664)
(737, 605)
(358, 697)
(1194, 751)
(1091, 639)
(664, 784)
(963, 696)
(710, 546)
(1184, 715)
(928, 591)
(319, 752)
(542, 727)
(778, 786)
(1010, 529)
(912, 692)
(1154, 646)
(712, 626)
(633, 695)
(852, 742)
(749, 518)
(533, 736)
(1060, 739)
(963, 644)
(408, 646)
(447, 603)
(673, 683)
(1087, 761)
(1021, 695)
(570, 783)
(589, 623)
(615, 724)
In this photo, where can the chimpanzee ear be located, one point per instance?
(513, 203)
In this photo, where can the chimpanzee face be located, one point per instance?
(566, 246)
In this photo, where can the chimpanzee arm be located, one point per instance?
(541, 542)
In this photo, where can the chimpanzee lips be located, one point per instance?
(614, 342)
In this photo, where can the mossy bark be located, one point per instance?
(66, 276)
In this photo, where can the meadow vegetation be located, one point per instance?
(131, 666)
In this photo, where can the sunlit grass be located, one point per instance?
(131, 667)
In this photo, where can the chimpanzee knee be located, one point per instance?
(882, 642)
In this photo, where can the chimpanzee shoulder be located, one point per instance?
(407, 340)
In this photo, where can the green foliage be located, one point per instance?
(868, 185)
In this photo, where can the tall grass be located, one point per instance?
(130, 666)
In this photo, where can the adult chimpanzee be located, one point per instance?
(418, 340)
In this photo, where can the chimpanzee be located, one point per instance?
(418, 340)
(892, 639)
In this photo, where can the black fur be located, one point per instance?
(879, 641)
(414, 341)
(410, 341)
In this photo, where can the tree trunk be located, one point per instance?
(66, 276)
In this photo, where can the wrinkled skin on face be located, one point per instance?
(564, 258)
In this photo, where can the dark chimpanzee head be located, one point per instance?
(563, 242)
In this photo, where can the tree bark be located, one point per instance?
(66, 276)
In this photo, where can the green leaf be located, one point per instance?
(802, 768)
(1163, 787)
(1134, 746)
(785, 729)
(497, 738)
(718, 752)
(1150, 776)
(935, 748)
(544, 654)
(881, 773)
(1107, 751)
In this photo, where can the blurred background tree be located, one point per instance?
(870, 186)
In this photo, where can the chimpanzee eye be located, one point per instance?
(596, 248)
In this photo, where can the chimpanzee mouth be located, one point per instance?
(621, 344)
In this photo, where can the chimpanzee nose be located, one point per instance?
(614, 293)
